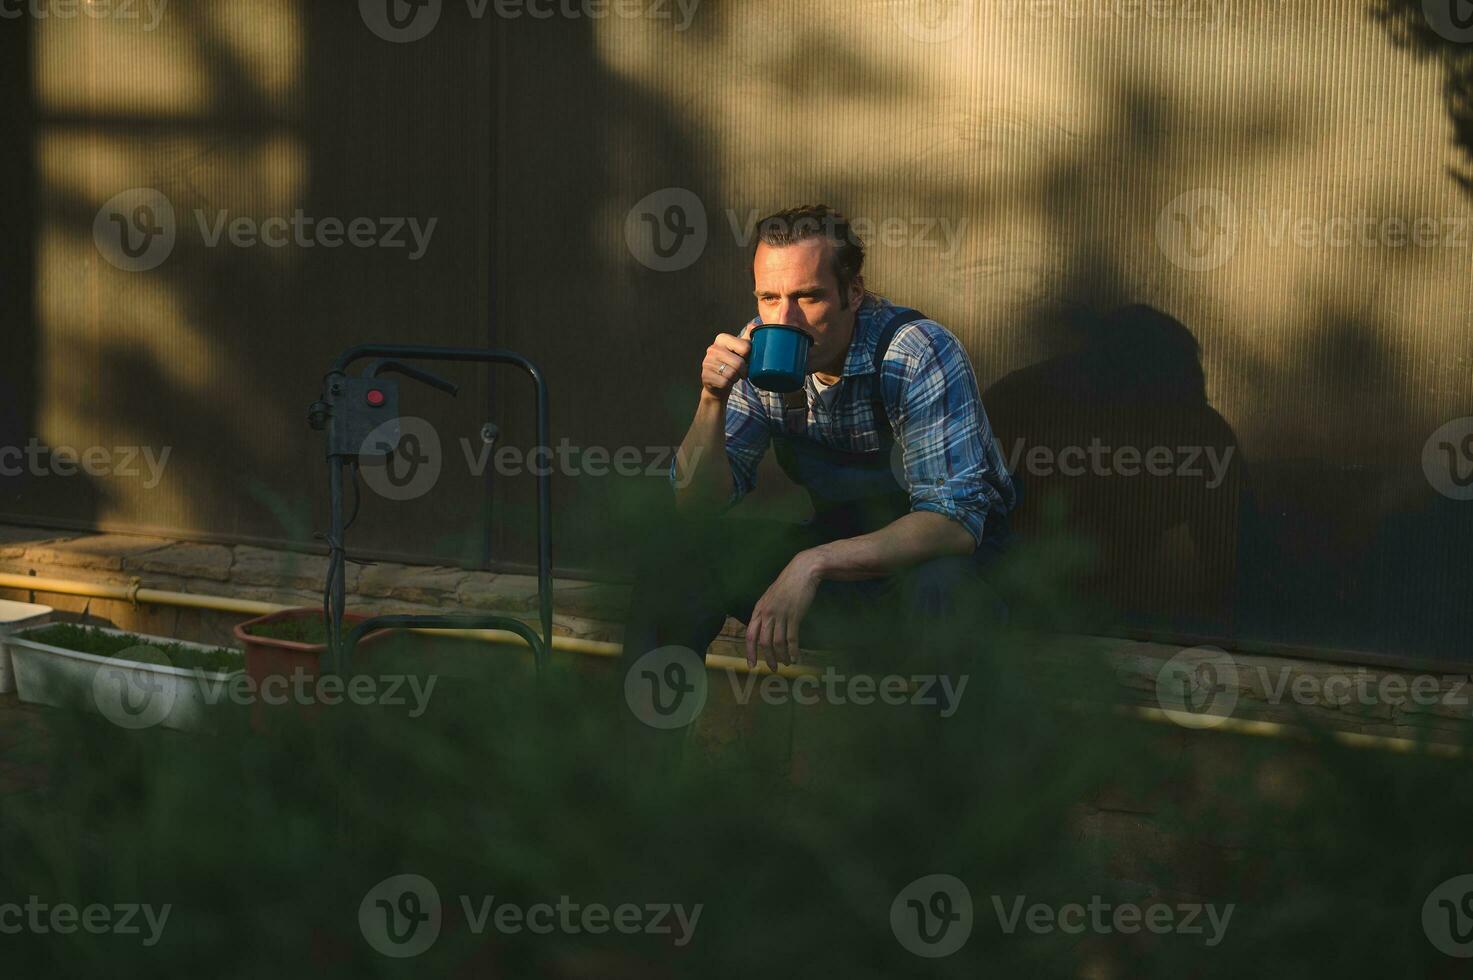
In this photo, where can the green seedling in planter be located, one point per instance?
(86, 639)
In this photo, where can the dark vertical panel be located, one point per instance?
(17, 257)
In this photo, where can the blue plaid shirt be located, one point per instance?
(953, 463)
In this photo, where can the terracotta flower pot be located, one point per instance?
(269, 657)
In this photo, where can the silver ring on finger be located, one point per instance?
(721, 370)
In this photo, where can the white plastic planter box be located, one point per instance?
(130, 693)
(16, 616)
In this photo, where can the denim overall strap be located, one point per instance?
(852, 492)
(900, 317)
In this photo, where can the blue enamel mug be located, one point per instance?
(779, 357)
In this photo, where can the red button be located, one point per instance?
(375, 397)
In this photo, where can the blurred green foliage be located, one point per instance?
(794, 827)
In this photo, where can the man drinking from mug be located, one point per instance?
(888, 437)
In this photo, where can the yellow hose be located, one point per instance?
(1274, 729)
(134, 593)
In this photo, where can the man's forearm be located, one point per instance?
(702, 471)
(915, 538)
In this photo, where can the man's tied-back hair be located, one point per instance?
(793, 225)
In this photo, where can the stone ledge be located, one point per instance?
(186, 560)
(1306, 694)
(102, 552)
(15, 540)
(587, 610)
(592, 600)
(267, 567)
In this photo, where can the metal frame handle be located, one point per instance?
(338, 558)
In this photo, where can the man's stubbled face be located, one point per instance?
(796, 285)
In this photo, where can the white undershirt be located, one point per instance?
(825, 393)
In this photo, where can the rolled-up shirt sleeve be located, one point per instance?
(747, 439)
(953, 464)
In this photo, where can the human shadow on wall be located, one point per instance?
(1120, 435)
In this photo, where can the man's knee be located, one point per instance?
(952, 588)
(933, 586)
(675, 550)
